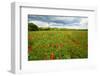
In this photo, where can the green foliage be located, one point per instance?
(42, 29)
(59, 29)
(70, 44)
(32, 27)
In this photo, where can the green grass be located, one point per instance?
(46, 45)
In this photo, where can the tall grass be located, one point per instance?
(46, 45)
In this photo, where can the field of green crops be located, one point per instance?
(47, 45)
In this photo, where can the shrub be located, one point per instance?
(32, 27)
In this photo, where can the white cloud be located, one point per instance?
(83, 21)
(83, 24)
(75, 27)
(63, 18)
(55, 24)
(40, 23)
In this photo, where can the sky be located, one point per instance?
(71, 22)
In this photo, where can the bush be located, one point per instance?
(32, 27)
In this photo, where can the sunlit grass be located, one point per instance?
(46, 45)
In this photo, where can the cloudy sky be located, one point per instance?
(73, 22)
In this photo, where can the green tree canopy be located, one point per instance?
(32, 27)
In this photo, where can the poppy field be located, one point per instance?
(61, 44)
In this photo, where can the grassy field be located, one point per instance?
(47, 45)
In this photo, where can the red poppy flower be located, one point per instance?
(61, 45)
(29, 48)
(52, 56)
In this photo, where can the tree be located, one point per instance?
(32, 27)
